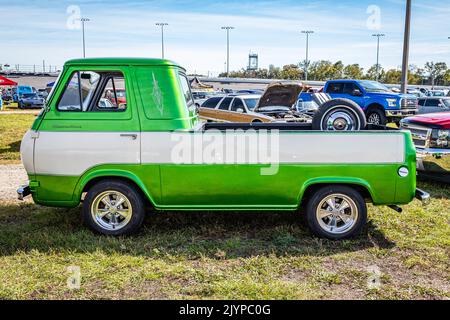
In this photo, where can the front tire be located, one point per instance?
(113, 208)
(336, 212)
(376, 116)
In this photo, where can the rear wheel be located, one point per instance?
(336, 212)
(113, 207)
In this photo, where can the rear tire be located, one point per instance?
(339, 115)
(113, 208)
(336, 212)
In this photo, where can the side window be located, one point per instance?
(432, 102)
(211, 103)
(79, 91)
(225, 104)
(71, 98)
(113, 96)
(335, 88)
(422, 102)
(349, 88)
(237, 104)
(186, 90)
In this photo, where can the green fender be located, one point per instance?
(95, 173)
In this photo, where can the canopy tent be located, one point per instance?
(197, 84)
(7, 82)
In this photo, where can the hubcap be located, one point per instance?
(111, 210)
(337, 213)
(374, 118)
(339, 120)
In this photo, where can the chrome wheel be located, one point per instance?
(337, 213)
(374, 118)
(111, 210)
(340, 120)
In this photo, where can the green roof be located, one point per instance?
(122, 61)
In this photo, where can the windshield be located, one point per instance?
(374, 86)
(29, 95)
(251, 103)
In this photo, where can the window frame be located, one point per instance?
(105, 76)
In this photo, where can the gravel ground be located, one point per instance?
(11, 177)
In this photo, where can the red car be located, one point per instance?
(431, 135)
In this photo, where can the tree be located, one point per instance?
(392, 76)
(436, 71)
(353, 71)
(291, 72)
(371, 73)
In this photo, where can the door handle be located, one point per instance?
(133, 136)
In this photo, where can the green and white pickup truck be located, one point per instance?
(122, 136)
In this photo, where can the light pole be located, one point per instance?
(83, 20)
(162, 25)
(378, 35)
(228, 47)
(307, 32)
(405, 65)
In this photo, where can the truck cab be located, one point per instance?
(150, 152)
(380, 104)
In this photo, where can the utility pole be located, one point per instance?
(228, 47)
(307, 32)
(162, 25)
(83, 20)
(378, 35)
(405, 65)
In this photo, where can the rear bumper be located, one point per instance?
(401, 113)
(423, 196)
(23, 192)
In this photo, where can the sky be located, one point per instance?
(34, 30)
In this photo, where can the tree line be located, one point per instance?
(432, 73)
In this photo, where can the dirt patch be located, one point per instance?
(11, 177)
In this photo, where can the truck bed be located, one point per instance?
(278, 126)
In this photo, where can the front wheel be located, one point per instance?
(376, 116)
(113, 208)
(336, 212)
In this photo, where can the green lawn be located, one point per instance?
(223, 255)
(12, 129)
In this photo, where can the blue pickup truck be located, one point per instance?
(379, 104)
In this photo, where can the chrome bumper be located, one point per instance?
(423, 196)
(23, 192)
(401, 113)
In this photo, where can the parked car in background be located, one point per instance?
(21, 90)
(201, 96)
(232, 108)
(378, 102)
(436, 93)
(434, 104)
(416, 92)
(30, 101)
(42, 93)
(431, 136)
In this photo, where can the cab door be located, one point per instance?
(87, 125)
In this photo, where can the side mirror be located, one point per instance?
(356, 93)
(240, 110)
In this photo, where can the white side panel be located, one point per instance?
(72, 153)
(27, 150)
(301, 148)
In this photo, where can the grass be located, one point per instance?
(12, 129)
(225, 255)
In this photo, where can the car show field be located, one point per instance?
(229, 255)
